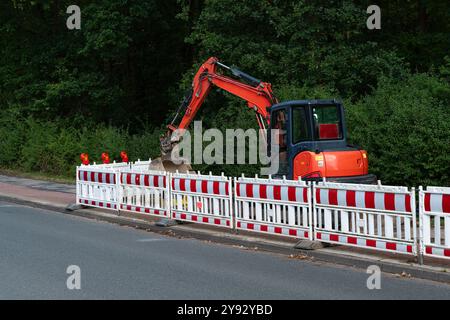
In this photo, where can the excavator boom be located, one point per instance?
(257, 94)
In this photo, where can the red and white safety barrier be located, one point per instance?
(434, 212)
(205, 199)
(97, 187)
(271, 206)
(368, 216)
(144, 191)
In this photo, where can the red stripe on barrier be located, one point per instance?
(156, 181)
(332, 197)
(92, 177)
(250, 226)
(147, 180)
(264, 228)
(350, 197)
(263, 191)
(147, 210)
(238, 224)
(318, 195)
(173, 184)
(217, 221)
(193, 185)
(205, 220)
(183, 216)
(277, 192)
(227, 188)
(352, 240)
(291, 194)
(128, 177)
(216, 187)
(391, 246)
(408, 203)
(305, 195)
(249, 190)
(205, 186)
(137, 179)
(319, 236)
(164, 181)
(429, 250)
(409, 249)
(446, 203)
(389, 201)
(100, 177)
(369, 198)
(427, 202)
(108, 205)
(278, 230)
(292, 232)
(194, 218)
(85, 176)
(182, 185)
(371, 243)
(447, 252)
(334, 237)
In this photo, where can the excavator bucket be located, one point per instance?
(165, 163)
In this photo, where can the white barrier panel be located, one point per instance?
(280, 207)
(97, 187)
(201, 199)
(144, 191)
(141, 165)
(435, 221)
(368, 216)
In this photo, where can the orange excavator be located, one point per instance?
(312, 136)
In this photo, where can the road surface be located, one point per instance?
(37, 247)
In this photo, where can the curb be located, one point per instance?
(414, 271)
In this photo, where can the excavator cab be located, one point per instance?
(312, 141)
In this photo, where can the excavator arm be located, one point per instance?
(257, 94)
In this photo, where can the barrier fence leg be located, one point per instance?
(235, 209)
(311, 243)
(119, 195)
(167, 221)
(420, 239)
(231, 206)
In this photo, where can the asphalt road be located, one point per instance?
(37, 246)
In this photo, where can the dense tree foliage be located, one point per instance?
(116, 82)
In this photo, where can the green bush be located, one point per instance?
(13, 135)
(405, 127)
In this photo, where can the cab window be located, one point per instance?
(327, 122)
(279, 123)
(300, 130)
